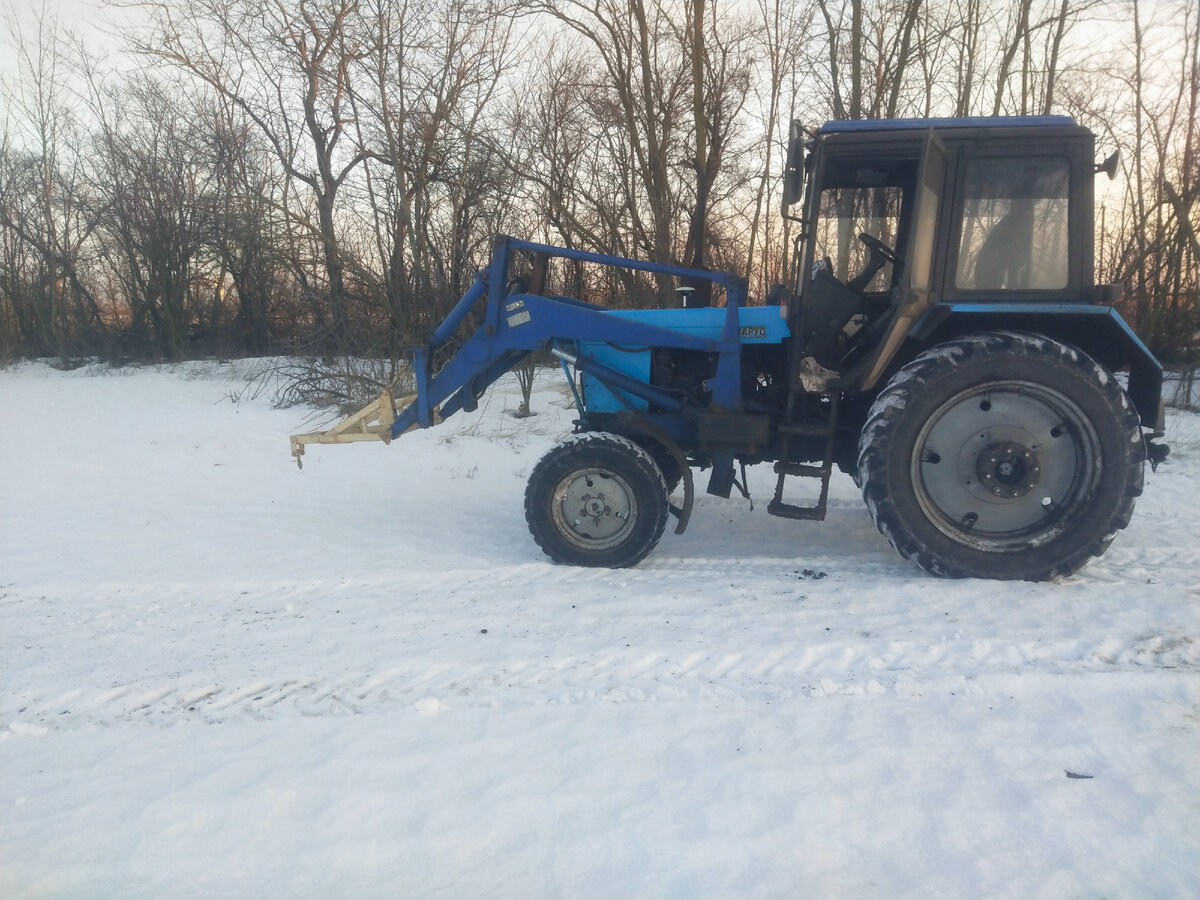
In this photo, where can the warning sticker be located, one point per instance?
(519, 319)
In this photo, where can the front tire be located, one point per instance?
(666, 463)
(596, 500)
(1001, 455)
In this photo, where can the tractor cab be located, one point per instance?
(901, 215)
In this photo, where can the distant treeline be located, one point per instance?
(326, 175)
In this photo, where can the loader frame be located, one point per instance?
(518, 322)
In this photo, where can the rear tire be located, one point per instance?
(1001, 455)
(596, 500)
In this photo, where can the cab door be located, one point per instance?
(915, 293)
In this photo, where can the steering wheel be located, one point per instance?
(875, 245)
(880, 253)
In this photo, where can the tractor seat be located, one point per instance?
(831, 305)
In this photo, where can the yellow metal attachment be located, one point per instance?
(371, 423)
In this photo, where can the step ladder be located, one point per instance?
(791, 429)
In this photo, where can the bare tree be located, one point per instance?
(45, 207)
(154, 186)
(339, 166)
(245, 228)
(880, 53)
(1160, 259)
(639, 82)
(720, 63)
(287, 66)
(430, 99)
(783, 30)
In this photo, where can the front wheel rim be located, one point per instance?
(594, 509)
(1005, 466)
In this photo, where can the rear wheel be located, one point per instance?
(1001, 455)
(596, 500)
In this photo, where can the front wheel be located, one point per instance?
(1001, 455)
(596, 500)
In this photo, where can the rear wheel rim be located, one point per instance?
(594, 509)
(1003, 466)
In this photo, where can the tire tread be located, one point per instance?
(888, 411)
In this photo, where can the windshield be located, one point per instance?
(846, 212)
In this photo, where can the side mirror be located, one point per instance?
(1109, 166)
(793, 172)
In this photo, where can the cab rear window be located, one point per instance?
(1014, 225)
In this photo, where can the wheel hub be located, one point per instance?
(595, 507)
(1008, 469)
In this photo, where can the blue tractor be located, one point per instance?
(942, 341)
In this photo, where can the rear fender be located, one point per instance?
(1098, 331)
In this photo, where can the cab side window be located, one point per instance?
(1014, 225)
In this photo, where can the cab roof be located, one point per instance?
(879, 125)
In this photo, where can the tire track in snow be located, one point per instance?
(259, 616)
(902, 668)
(1164, 564)
(151, 597)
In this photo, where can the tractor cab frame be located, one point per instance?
(979, 223)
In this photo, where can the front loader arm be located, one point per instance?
(530, 323)
(515, 325)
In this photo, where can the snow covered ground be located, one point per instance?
(222, 677)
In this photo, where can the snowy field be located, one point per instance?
(224, 678)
